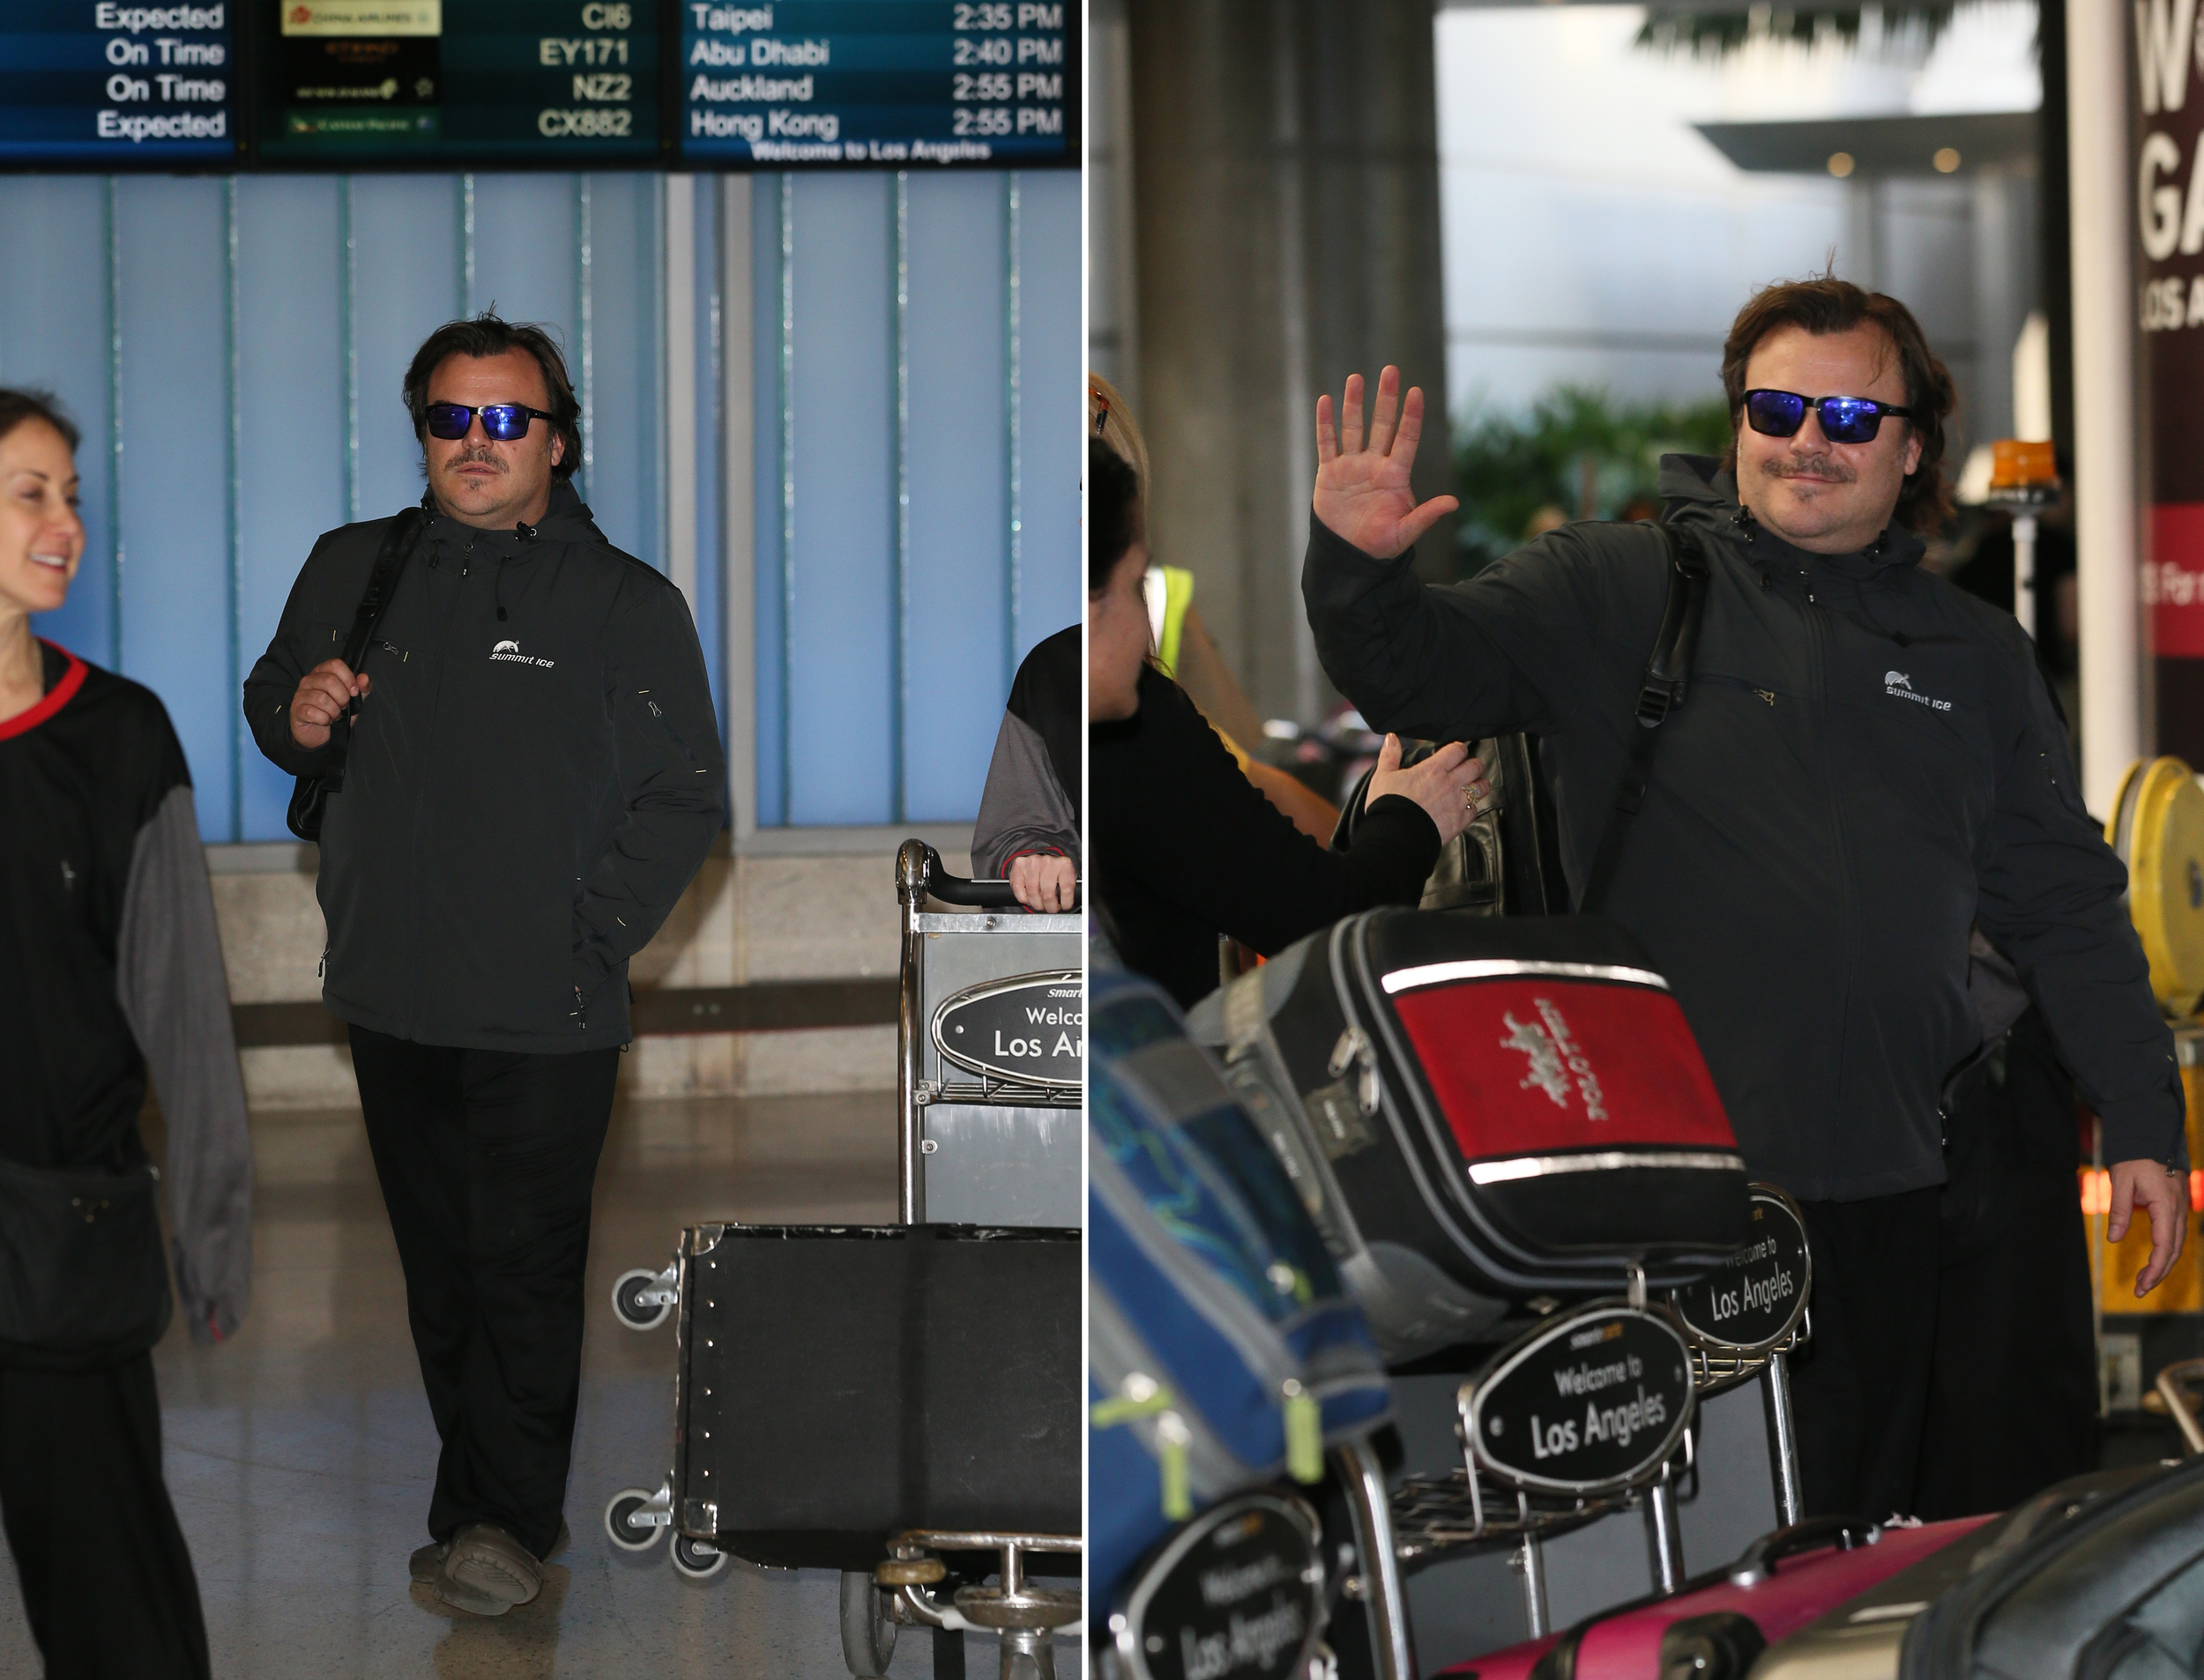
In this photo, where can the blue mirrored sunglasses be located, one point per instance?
(503, 421)
(1844, 420)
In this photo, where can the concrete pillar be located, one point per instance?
(1113, 302)
(2104, 463)
(1859, 260)
(1286, 227)
(2005, 288)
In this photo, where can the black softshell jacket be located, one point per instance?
(1866, 763)
(524, 797)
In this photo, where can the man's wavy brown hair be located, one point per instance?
(1827, 304)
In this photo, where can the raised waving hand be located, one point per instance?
(1362, 491)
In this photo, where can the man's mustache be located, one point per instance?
(484, 457)
(1802, 466)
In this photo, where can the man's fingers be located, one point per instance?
(1412, 428)
(1389, 755)
(1351, 417)
(2123, 1203)
(1388, 397)
(1326, 441)
(2165, 1241)
(1413, 525)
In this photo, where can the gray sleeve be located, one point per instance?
(170, 983)
(1024, 807)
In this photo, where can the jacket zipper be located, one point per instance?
(1817, 638)
(434, 628)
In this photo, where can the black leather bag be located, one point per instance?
(309, 794)
(81, 1270)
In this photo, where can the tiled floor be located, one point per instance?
(300, 1456)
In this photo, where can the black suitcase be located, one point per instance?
(1480, 1112)
(2099, 1578)
(837, 1385)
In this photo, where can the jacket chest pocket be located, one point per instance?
(1913, 724)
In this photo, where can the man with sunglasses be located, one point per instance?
(1865, 767)
(531, 772)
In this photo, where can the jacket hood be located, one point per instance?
(1700, 492)
(566, 520)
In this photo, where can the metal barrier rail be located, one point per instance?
(768, 1005)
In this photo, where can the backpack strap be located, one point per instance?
(390, 561)
(1660, 691)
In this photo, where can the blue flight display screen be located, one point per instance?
(117, 83)
(884, 83)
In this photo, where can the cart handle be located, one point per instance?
(1758, 1561)
(956, 889)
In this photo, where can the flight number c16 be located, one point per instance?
(607, 14)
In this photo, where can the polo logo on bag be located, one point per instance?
(1519, 1081)
(1558, 1065)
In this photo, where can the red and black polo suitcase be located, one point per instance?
(1479, 1112)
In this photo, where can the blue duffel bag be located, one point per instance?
(1223, 1353)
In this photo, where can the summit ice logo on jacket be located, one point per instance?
(511, 653)
(1896, 683)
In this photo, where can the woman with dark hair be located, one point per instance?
(1181, 846)
(110, 968)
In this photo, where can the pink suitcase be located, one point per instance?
(1715, 1626)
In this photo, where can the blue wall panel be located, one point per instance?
(1052, 408)
(959, 466)
(407, 266)
(174, 486)
(886, 633)
(527, 262)
(625, 293)
(54, 337)
(292, 456)
(711, 614)
(841, 611)
(771, 220)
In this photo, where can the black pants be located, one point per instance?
(1861, 1388)
(107, 1586)
(2013, 1408)
(486, 1159)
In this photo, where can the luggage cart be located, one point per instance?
(991, 1062)
(990, 1075)
(1740, 1323)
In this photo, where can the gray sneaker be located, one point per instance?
(427, 1560)
(487, 1572)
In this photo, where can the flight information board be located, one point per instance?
(893, 82)
(346, 85)
(117, 83)
(564, 84)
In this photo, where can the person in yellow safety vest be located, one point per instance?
(1184, 649)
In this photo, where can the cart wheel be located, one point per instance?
(698, 1560)
(630, 1536)
(868, 1637)
(628, 1309)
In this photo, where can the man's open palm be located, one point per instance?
(1362, 490)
